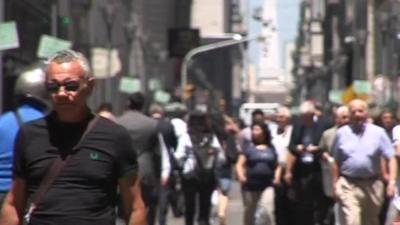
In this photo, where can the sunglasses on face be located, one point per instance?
(54, 87)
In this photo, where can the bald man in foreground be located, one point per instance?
(357, 149)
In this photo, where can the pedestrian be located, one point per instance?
(144, 134)
(32, 103)
(256, 116)
(387, 121)
(358, 148)
(258, 170)
(281, 139)
(226, 131)
(70, 163)
(169, 176)
(200, 154)
(309, 204)
(393, 213)
(341, 117)
(105, 110)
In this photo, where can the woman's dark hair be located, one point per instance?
(198, 122)
(199, 127)
(218, 125)
(266, 131)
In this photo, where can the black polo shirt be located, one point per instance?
(85, 191)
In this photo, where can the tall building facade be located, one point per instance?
(137, 30)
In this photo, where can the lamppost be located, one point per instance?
(237, 39)
(130, 32)
(108, 11)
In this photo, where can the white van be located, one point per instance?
(246, 109)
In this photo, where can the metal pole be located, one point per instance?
(54, 18)
(206, 48)
(1, 59)
(109, 13)
(107, 81)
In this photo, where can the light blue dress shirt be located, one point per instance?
(359, 154)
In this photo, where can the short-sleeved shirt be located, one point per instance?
(359, 154)
(260, 167)
(84, 192)
(281, 142)
(9, 127)
(396, 135)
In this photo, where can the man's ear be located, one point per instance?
(90, 84)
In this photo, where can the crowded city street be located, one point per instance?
(199, 112)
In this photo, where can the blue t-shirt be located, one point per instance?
(8, 130)
(260, 167)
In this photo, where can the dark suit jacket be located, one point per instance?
(297, 137)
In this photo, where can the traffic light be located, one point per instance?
(188, 91)
(64, 22)
(182, 40)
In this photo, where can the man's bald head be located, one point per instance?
(358, 111)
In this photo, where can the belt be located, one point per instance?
(372, 178)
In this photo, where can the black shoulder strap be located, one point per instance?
(55, 169)
(88, 129)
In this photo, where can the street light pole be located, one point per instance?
(238, 39)
(109, 16)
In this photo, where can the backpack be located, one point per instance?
(205, 157)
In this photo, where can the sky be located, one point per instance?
(287, 22)
(288, 18)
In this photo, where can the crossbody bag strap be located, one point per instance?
(54, 170)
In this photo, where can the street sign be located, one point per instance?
(182, 40)
(101, 62)
(49, 45)
(361, 87)
(129, 85)
(336, 96)
(162, 96)
(174, 106)
(8, 35)
(154, 84)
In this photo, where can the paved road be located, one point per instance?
(234, 213)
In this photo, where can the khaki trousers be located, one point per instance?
(360, 200)
(259, 207)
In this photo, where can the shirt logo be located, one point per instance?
(94, 155)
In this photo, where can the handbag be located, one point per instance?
(53, 171)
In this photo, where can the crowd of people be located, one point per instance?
(62, 163)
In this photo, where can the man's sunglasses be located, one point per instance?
(54, 87)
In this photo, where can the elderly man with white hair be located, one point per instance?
(280, 139)
(303, 171)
